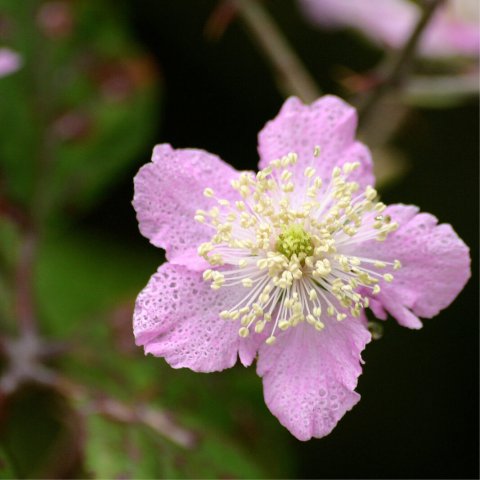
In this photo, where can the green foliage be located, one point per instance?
(82, 276)
(83, 104)
(121, 450)
(40, 435)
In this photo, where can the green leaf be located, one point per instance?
(9, 252)
(80, 110)
(120, 450)
(39, 435)
(81, 276)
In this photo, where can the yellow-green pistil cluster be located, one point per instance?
(295, 241)
(287, 242)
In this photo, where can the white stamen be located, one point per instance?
(288, 243)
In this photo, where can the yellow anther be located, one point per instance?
(309, 172)
(370, 193)
(259, 327)
(284, 324)
(243, 332)
(208, 192)
(336, 172)
(208, 274)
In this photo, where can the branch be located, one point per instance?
(398, 69)
(159, 420)
(293, 76)
(24, 284)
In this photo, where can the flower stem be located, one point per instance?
(292, 75)
(397, 69)
(24, 285)
(159, 420)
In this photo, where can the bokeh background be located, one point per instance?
(101, 82)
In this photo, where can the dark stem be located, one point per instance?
(398, 68)
(159, 420)
(292, 75)
(24, 285)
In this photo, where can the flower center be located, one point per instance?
(294, 241)
(290, 243)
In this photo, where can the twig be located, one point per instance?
(24, 285)
(398, 68)
(157, 419)
(293, 76)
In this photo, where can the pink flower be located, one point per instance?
(282, 263)
(9, 61)
(453, 30)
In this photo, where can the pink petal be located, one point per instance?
(9, 61)
(309, 377)
(177, 317)
(367, 16)
(435, 265)
(450, 36)
(168, 192)
(451, 31)
(329, 123)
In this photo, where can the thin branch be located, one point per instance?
(24, 284)
(159, 420)
(398, 69)
(293, 76)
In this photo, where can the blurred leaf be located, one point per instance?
(9, 243)
(80, 276)
(39, 434)
(7, 469)
(81, 108)
(117, 450)
(442, 91)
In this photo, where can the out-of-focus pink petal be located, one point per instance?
(452, 31)
(9, 61)
(329, 123)
(169, 190)
(435, 265)
(177, 317)
(309, 377)
(450, 36)
(385, 21)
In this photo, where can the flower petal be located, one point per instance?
(309, 377)
(329, 123)
(168, 192)
(177, 317)
(10, 61)
(367, 16)
(435, 265)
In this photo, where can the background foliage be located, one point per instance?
(101, 83)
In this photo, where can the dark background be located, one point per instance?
(418, 417)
